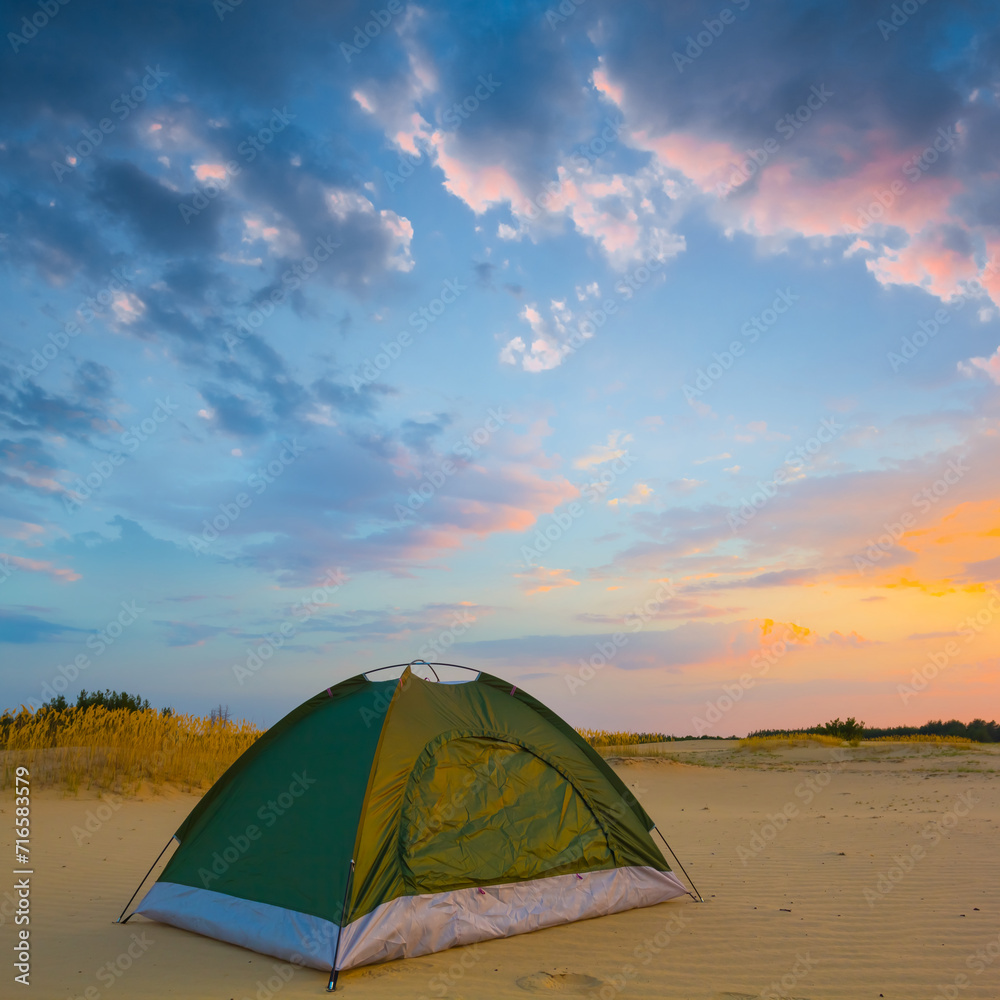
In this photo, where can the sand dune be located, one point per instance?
(872, 872)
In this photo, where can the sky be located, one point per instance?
(646, 355)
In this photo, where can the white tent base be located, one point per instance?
(296, 937)
(418, 925)
(410, 925)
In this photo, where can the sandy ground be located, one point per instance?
(873, 876)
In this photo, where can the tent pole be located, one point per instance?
(682, 868)
(139, 886)
(429, 666)
(334, 972)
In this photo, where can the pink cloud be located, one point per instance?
(706, 162)
(210, 171)
(926, 262)
(486, 519)
(604, 85)
(23, 531)
(789, 199)
(509, 498)
(57, 573)
(879, 187)
(611, 209)
(478, 186)
(990, 366)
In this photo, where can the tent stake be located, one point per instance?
(682, 868)
(139, 886)
(334, 972)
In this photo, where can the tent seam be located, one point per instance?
(404, 677)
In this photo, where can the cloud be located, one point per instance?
(983, 570)
(25, 407)
(841, 134)
(552, 338)
(181, 634)
(540, 580)
(419, 435)
(756, 429)
(665, 651)
(606, 452)
(685, 485)
(398, 625)
(855, 125)
(232, 413)
(93, 381)
(27, 465)
(677, 607)
(814, 529)
(379, 513)
(25, 629)
(60, 574)
(989, 366)
(639, 494)
(775, 578)
(484, 272)
(152, 210)
(488, 161)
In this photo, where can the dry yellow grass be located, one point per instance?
(791, 740)
(923, 738)
(803, 739)
(119, 750)
(608, 738)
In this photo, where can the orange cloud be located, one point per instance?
(540, 580)
(966, 535)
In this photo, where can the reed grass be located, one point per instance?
(607, 738)
(923, 738)
(119, 750)
(804, 739)
(789, 740)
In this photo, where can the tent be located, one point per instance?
(384, 819)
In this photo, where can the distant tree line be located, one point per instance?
(58, 712)
(107, 699)
(978, 730)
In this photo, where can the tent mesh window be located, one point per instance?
(482, 810)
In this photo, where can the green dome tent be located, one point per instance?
(394, 818)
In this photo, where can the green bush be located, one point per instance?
(850, 729)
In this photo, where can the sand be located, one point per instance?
(877, 875)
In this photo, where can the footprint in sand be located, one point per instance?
(560, 982)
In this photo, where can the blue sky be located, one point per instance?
(492, 330)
